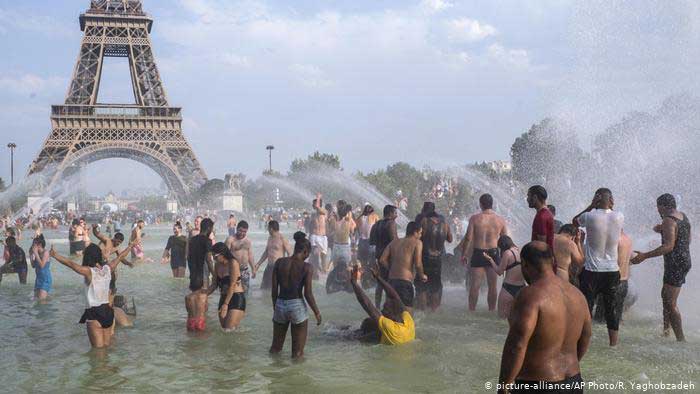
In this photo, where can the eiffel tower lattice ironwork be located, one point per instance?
(149, 132)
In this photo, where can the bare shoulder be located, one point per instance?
(475, 217)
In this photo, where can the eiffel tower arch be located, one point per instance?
(150, 132)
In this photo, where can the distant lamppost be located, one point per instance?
(12, 147)
(270, 148)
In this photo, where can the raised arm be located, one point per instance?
(361, 296)
(98, 234)
(79, 269)
(115, 262)
(523, 319)
(309, 293)
(42, 258)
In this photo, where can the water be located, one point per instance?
(44, 349)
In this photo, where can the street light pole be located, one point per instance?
(12, 147)
(270, 148)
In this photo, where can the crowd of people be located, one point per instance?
(548, 292)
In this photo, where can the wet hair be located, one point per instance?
(141, 221)
(231, 216)
(207, 225)
(428, 207)
(568, 229)
(75, 222)
(222, 249)
(40, 241)
(368, 209)
(178, 225)
(505, 243)
(328, 207)
(119, 237)
(537, 254)
(604, 193)
(388, 210)
(538, 191)
(320, 202)
(344, 210)
(552, 209)
(92, 255)
(486, 201)
(340, 204)
(242, 224)
(667, 201)
(273, 225)
(11, 241)
(412, 228)
(301, 243)
(11, 231)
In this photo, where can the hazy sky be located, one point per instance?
(435, 82)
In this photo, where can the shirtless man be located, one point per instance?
(400, 258)
(318, 239)
(381, 235)
(277, 247)
(568, 250)
(482, 236)
(242, 250)
(137, 240)
(550, 329)
(436, 231)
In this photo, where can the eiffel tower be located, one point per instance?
(150, 132)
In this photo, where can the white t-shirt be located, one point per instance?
(603, 229)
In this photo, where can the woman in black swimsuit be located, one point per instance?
(232, 301)
(513, 281)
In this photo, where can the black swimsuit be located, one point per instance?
(237, 301)
(677, 262)
(512, 289)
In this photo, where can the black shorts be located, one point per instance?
(432, 266)
(77, 246)
(237, 301)
(104, 314)
(405, 290)
(674, 274)
(573, 384)
(605, 283)
(478, 259)
(175, 264)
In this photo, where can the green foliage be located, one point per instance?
(152, 203)
(315, 161)
(210, 193)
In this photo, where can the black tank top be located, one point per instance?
(680, 255)
(434, 236)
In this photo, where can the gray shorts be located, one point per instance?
(290, 311)
(342, 253)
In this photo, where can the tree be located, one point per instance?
(313, 162)
(211, 192)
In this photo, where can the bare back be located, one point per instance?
(624, 254)
(277, 245)
(403, 255)
(291, 277)
(563, 251)
(484, 230)
(561, 313)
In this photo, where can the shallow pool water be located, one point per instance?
(44, 349)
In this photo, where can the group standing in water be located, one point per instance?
(549, 290)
